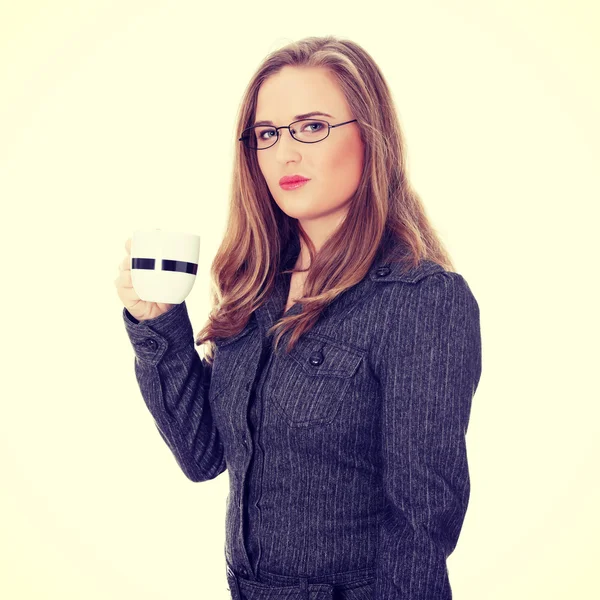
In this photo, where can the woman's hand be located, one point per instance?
(138, 308)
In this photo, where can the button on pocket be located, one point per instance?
(316, 358)
(309, 385)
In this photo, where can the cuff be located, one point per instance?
(151, 339)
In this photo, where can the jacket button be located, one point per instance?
(152, 344)
(316, 358)
(244, 441)
(243, 571)
(383, 271)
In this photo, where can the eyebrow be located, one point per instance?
(297, 117)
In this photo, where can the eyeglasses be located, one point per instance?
(307, 131)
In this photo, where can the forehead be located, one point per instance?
(296, 90)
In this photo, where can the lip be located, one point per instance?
(287, 179)
(294, 184)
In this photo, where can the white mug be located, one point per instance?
(164, 265)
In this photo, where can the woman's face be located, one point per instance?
(334, 165)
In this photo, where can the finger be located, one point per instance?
(128, 297)
(128, 245)
(124, 280)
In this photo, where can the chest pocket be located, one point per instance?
(309, 385)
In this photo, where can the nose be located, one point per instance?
(286, 146)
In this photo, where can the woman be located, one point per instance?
(345, 446)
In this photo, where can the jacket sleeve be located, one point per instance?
(174, 382)
(429, 370)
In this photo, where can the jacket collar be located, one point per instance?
(382, 271)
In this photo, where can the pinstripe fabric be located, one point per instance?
(347, 459)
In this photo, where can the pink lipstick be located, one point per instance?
(291, 182)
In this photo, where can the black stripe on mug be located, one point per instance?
(166, 265)
(179, 265)
(143, 263)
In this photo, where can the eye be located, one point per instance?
(316, 124)
(262, 132)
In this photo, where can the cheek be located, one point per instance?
(268, 174)
(347, 164)
(272, 171)
(263, 168)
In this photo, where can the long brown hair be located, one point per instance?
(384, 205)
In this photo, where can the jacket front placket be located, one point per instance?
(266, 316)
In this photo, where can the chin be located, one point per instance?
(301, 213)
(296, 207)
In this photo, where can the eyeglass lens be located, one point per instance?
(263, 136)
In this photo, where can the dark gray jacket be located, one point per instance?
(347, 459)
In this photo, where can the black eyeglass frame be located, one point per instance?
(329, 128)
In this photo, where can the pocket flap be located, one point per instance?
(318, 356)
